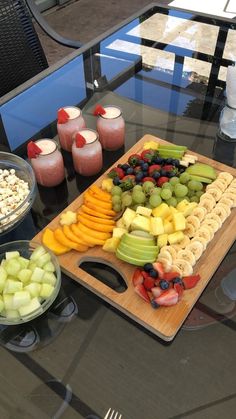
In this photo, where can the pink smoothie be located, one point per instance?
(75, 123)
(88, 159)
(111, 128)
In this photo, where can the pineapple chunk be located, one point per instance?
(156, 226)
(162, 240)
(111, 244)
(128, 217)
(120, 223)
(107, 184)
(179, 221)
(118, 232)
(141, 223)
(150, 144)
(168, 227)
(144, 211)
(162, 211)
(189, 209)
(169, 218)
(182, 205)
(175, 237)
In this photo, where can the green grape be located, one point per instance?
(117, 207)
(138, 197)
(194, 199)
(134, 207)
(147, 186)
(190, 193)
(184, 178)
(166, 194)
(116, 199)
(172, 202)
(137, 188)
(199, 193)
(199, 186)
(126, 200)
(147, 205)
(155, 191)
(174, 180)
(155, 200)
(180, 190)
(193, 185)
(179, 199)
(116, 190)
(167, 185)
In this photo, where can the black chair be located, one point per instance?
(21, 53)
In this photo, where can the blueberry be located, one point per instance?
(164, 285)
(129, 171)
(145, 173)
(171, 174)
(116, 181)
(154, 304)
(169, 161)
(144, 166)
(125, 166)
(175, 162)
(141, 162)
(177, 280)
(156, 175)
(147, 267)
(158, 160)
(139, 176)
(153, 273)
(163, 172)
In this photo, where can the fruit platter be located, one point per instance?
(159, 216)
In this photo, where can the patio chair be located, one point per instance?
(21, 53)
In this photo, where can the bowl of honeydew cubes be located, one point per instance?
(30, 280)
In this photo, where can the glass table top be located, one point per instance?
(166, 70)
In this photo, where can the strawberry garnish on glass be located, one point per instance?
(62, 116)
(99, 110)
(79, 141)
(33, 150)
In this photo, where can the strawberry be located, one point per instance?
(148, 179)
(99, 110)
(33, 150)
(62, 116)
(148, 155)
(153, 169)
(141, 291)
(179, 288)
(116, 171)
(79, 141)
(167, 298)
(190, 281)
(148, 283)
(161, 180)
(168, 167)
(156, 291)
(134, 159)
(137, 169)
(159, 268)
(168, 276)
(137, 277)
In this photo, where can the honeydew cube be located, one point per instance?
(12, 267)
(33, 288)
(46, 290)
(179, 221)
(49, 267)
(157, 226)
(141, 223)
(49, 278)
(144, 211)
(21, 298)
(12, 255)
(162, 211)
(24, 263)
(12, 286)
(33, 305)
(111, 244)
(24, 275)
(175, 237)
(162, 240)
(37, 274)
(118, 232)
(38, 253)
(189, 208)
(3, 277)
(120, 223)
(8, 301)
(1, 304)
(12, 314)
(128, 217)
(168, 227)
(3, 263)
(43, 260)
(32, 265)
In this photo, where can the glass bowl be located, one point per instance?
(23, 171)
(25, 248)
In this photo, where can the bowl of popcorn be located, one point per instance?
(17, 190)
(30, 280)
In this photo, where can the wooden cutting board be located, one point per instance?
(165, 321)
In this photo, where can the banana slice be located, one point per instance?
(215, 193)
(227, 201)
(232, 190)
(170, 250)
(208, 195)
(227, 176)
(220, 211)
(196, 248)
(192, 219)
(165, 263)
(189, 230)
(214, 217)
(211, 223)
(184, 266)
(230, 196)
(226, 208)
(202, 240)
(176, 247)
(187, 255)
(165, 254)
(184, 242)
(206, 233)
(199, 212)
(219, 184)
(233, 183)
(175, 268)
(208, 204)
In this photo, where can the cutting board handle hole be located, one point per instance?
(104, 272)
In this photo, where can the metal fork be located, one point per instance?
(112, 414)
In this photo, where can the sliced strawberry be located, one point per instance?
(161, 180)
(179, 288)
(148, 283)
(148, 179)
(190, 281)
(137, 277)
(33, 150)
(167, 298)
(168, 276)
(153, 169)
(156, 291)
(62, 116)
(79, 141)
(141, 291)
(159, 268)
(99, 110)
(168, 167)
